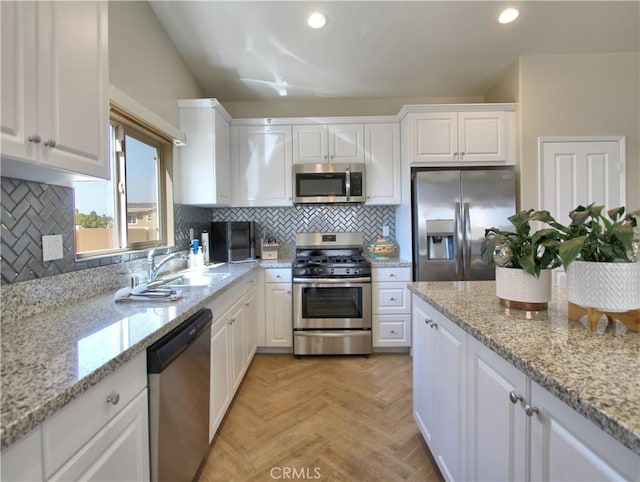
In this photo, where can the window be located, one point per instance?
(129, 211)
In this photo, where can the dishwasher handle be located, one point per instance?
(163, 352)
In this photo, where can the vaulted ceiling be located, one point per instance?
(244, 51)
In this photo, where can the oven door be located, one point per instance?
(331, 304)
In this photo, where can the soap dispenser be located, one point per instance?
(193, 253)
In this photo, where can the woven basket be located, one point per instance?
(605, 286)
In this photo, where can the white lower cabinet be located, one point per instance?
(391, 307)
(566, 446)
(233, 344)
(513, 428)
(13, 461)
(440, 388)
(119, 452)
(494, 385)
(278, 308)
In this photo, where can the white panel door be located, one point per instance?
(574, 171)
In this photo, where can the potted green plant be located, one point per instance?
(598, 254)
(523, 259)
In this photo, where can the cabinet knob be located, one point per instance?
(529, 410)
(277, 276)
(514, 397)
(391, 275)
(35, 138)
(393, 332)
(462, 154)
(114, 398)
(392, 299)
(427, 321)
(455, 154)
(435, 325)
(288, 292)
(50, 143)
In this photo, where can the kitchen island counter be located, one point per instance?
(51, 358)
(597, 373)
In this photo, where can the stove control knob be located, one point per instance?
(332, 270)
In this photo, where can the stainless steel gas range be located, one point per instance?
(331, 295)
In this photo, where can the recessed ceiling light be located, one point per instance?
(508, 15)
(317, 20)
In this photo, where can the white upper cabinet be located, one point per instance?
(318, 143)
(475, 137)
(262, 166)
(54, 90)
(205, 160)
(382, 161)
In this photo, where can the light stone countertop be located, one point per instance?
(597, 373)
(50, 359)
(388, 262)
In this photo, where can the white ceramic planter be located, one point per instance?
(517, 288)
(606, 286)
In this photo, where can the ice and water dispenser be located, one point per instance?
(440, 233)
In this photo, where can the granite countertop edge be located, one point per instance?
(33, 416)
(608, 423)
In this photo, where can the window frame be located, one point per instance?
(144, 132)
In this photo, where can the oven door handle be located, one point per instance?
(327, 281)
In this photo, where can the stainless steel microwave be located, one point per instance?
(328, 183)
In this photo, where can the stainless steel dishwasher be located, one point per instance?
(178, 368)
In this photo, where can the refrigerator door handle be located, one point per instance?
(459, 243)
(467, 244)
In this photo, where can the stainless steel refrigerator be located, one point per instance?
(451, 210)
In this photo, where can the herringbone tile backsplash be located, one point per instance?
(284, 223)
(31, 210)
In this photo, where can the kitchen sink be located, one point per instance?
(197, 277)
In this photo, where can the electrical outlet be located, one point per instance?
(385, 230)
(52, 247)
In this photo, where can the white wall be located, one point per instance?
(574, 95)
(144, 63)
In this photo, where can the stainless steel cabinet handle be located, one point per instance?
(34, 138)
(50, 143)
(114, 398)
(529, 410)
(514, 397)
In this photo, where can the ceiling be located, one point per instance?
(248, 51)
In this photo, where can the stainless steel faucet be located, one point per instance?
(153, 268)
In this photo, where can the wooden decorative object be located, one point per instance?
(630, 319)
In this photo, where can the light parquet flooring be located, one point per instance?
(322, 418)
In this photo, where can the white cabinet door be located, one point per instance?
(450, 405)
(205, 162)
(382, 161)
(424, 372)
(250, 325)
(279, 314)
(56, 111)
(263, 174)
(119, 452)
(565, 446)
(310, 144)
(22, 461)
(481, 136)
(318, 143)
(220, 395)
(346, 143)
(494, 417)
(391, 330)
(73, 98)
(236, 343)
(440, 388)
(18, 119)
(433, 136)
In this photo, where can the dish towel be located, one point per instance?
(142, 293)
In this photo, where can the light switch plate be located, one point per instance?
(52, 247)
(385, 230)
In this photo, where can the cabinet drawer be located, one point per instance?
(73, 426)
(390, 298)
(391, 274)
(391, 330)
(277, 275)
